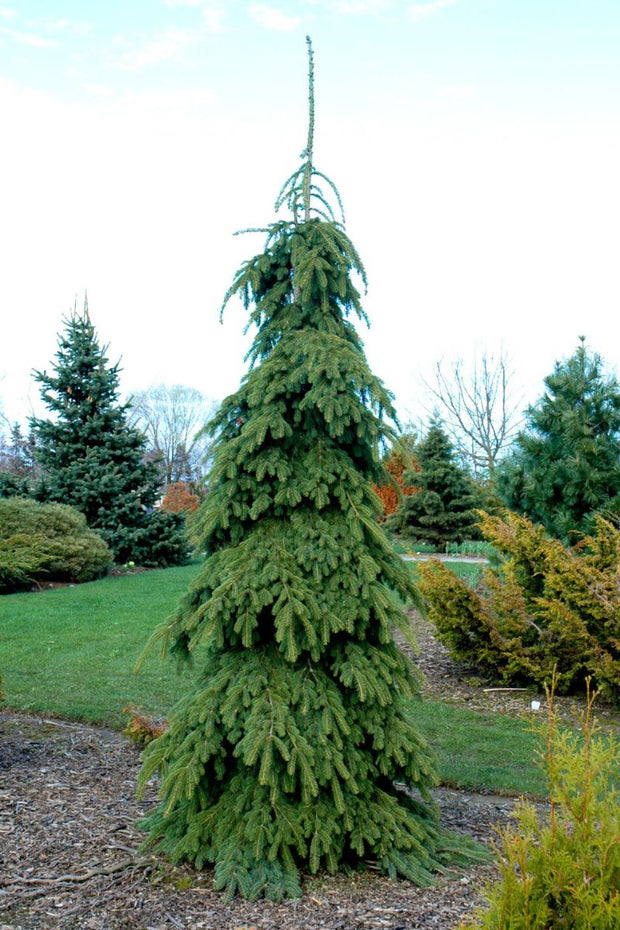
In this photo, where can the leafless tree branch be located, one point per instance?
(172, 418)
(478, 407)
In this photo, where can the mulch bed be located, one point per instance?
(69, 845)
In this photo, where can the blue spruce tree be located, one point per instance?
(91, 458)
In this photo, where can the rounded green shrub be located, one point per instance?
(47, 542)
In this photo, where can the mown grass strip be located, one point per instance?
(470, 572)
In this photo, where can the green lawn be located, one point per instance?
(70, 652)
(469, 571)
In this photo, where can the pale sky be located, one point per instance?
(476, 145)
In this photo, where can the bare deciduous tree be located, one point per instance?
(478, 407)
(172, 418)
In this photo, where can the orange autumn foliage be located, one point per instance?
(179, 499)
(389, 494)
(142, 728)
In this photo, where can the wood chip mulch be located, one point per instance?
(70, 857)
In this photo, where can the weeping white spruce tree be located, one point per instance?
(298, 749)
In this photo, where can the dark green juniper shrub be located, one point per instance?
(298, 748)
(563, 872)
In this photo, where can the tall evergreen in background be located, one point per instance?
(92, 459)
(298, 747)
(441, 510)
(566, 462)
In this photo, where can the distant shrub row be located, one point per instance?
(544, 606)
(47, 541)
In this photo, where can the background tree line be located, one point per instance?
(557, 462)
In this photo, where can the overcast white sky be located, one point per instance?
(476, 144)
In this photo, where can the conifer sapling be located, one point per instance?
(298, 748)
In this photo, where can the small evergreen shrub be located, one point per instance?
(24, 516)
(544, 606)
(75, 559)
(157, 541)
(563, 873)
(162, 541)
(47, 541)
(19, 562)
